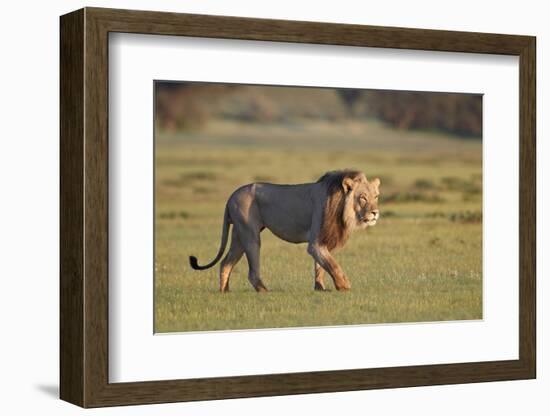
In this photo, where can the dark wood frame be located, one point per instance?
(84, 207)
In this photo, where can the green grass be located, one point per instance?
(421, 262)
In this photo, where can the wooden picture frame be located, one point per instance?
(84, 207)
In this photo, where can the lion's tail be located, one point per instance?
(225, 233)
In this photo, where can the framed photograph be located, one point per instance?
(255, 207)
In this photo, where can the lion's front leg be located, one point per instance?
(319, 276)
(323, 256)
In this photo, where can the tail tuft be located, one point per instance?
(225, 232)
(194, 263)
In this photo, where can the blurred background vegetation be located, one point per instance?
(421, 262)
(186, 106)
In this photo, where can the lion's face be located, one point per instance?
(365, 201)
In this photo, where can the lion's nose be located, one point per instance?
(376, 213)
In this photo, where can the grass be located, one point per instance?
(421, 262)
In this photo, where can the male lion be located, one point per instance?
(323, 214)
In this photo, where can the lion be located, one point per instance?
(322, 214)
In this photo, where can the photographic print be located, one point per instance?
(326, 184)
(287, 206)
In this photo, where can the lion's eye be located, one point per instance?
(363, 199)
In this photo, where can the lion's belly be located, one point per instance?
(286, 212)
(290, 233)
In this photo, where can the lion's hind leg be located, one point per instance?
(250, 239)
(247, 224)
(252, 250)
(232, 257)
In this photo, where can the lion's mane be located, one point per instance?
(337, 224)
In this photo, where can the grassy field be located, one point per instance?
(421, 262)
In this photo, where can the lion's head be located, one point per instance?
(352, 203)
(361, 201)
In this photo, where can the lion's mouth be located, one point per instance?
(371, 218)
(369, 222)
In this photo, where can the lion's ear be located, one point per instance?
(376, 182)
(348, 184)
